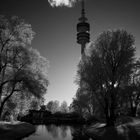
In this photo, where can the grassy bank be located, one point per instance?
(15, 131)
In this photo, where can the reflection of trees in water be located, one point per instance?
(60, 132)
(53, 130)
(64, 131)
(78, 133)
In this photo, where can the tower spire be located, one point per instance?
(83, 8)
(83, 29)
(83, 18)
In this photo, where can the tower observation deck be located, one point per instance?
(83, 28)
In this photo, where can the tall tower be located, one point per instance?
(83, 29)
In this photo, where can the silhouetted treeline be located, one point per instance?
(46, 117)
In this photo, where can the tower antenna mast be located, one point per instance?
(83, 8)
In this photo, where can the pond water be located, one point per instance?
(61, 132)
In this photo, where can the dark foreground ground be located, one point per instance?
(126, 131)
(15, 131)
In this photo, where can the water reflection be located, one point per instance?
(64, 131)
(61, 132)
(53, 130)
(78, 133)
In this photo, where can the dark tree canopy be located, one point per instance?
(108, 66)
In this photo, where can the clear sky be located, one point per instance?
(56, 34)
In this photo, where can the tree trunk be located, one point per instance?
(110, 115)
(1, 110)
(3, 103)
(109, 119)
(110, 122)
(133, 111)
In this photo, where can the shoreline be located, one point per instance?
(128, 130)
(15, 131)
